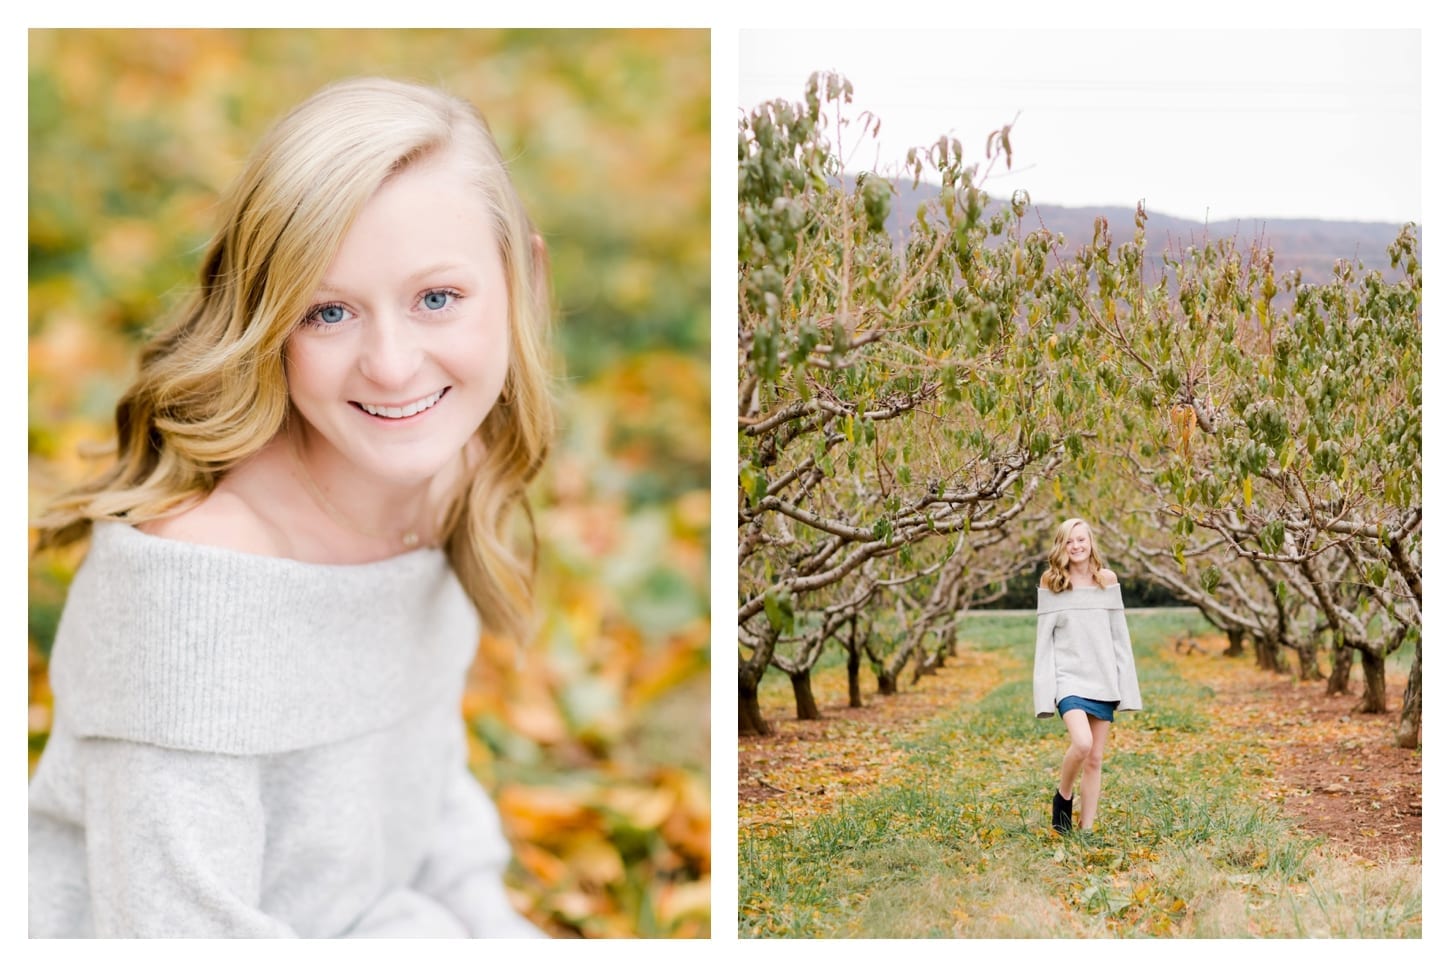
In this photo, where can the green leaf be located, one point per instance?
(1271, 537)
(754, 483)
(779, 610)
(1210, 578)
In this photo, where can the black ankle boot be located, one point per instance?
(1061, 813)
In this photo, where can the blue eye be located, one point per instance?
(438, 299)
(325, 315)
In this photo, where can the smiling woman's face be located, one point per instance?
(1079, 544)
(406, 346)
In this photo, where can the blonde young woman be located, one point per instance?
(1084, 666)
(258, 671)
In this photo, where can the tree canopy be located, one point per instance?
(916, 412)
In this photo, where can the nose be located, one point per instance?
(391, 352)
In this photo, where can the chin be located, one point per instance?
(408, 469)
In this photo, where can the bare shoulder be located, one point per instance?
(1109, 578)
(222, 519)
(1043, 582)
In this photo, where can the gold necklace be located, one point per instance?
(409, 537)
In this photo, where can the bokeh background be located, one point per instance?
(595, 738)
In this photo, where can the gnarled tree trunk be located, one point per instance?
(1267, 654)
(1235, 643)
(749, 719)
(1307, 654)
(853, 669)
(1407, 733)
(805, 701)
(1343, 665)
(926, 665)
(1373, 699)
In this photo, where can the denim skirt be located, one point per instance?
(1095, 708)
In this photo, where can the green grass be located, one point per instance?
(957, 842)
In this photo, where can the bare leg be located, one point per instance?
(1092, 771)
(1080, 736)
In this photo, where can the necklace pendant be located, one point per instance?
(410, 539)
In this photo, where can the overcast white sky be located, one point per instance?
(1203, 124)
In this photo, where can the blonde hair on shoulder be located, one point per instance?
(1056, 578)
(211, 388)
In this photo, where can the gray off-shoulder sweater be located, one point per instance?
(247, 746)
(1083, 649)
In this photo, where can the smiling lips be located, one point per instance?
(404, 411)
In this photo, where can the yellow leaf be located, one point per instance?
(678, 901)
(541, 813)
(646, 808)
(595, 861)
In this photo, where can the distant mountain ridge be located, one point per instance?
(1310, 245)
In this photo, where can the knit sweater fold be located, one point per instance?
(195, 647)
(253, 746)
(1083, 649)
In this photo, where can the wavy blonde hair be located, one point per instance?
(1056, 579)
(212, 390)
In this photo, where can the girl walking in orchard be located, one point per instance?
(1084, 666)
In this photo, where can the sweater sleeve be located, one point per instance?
(1130, 699)
(1044, 668)
(408, 913)
(174, 842)
(465, 863)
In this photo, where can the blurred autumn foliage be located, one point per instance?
(595, 738)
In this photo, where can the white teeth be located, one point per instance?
(398, 412)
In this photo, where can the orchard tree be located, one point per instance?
(892, 392)
(813, 628)
(1289, 429)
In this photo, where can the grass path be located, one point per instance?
(931, 820)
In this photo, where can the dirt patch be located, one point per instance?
(804, 768)
(761, 754)
(1337, 772)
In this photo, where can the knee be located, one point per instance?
(1094, 758)
(1079, 749)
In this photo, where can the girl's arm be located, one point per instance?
(174, 843)
(1044, 668)
(175, 846)
(1130, 698)
(465, 865)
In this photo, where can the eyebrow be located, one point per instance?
(438, 267)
